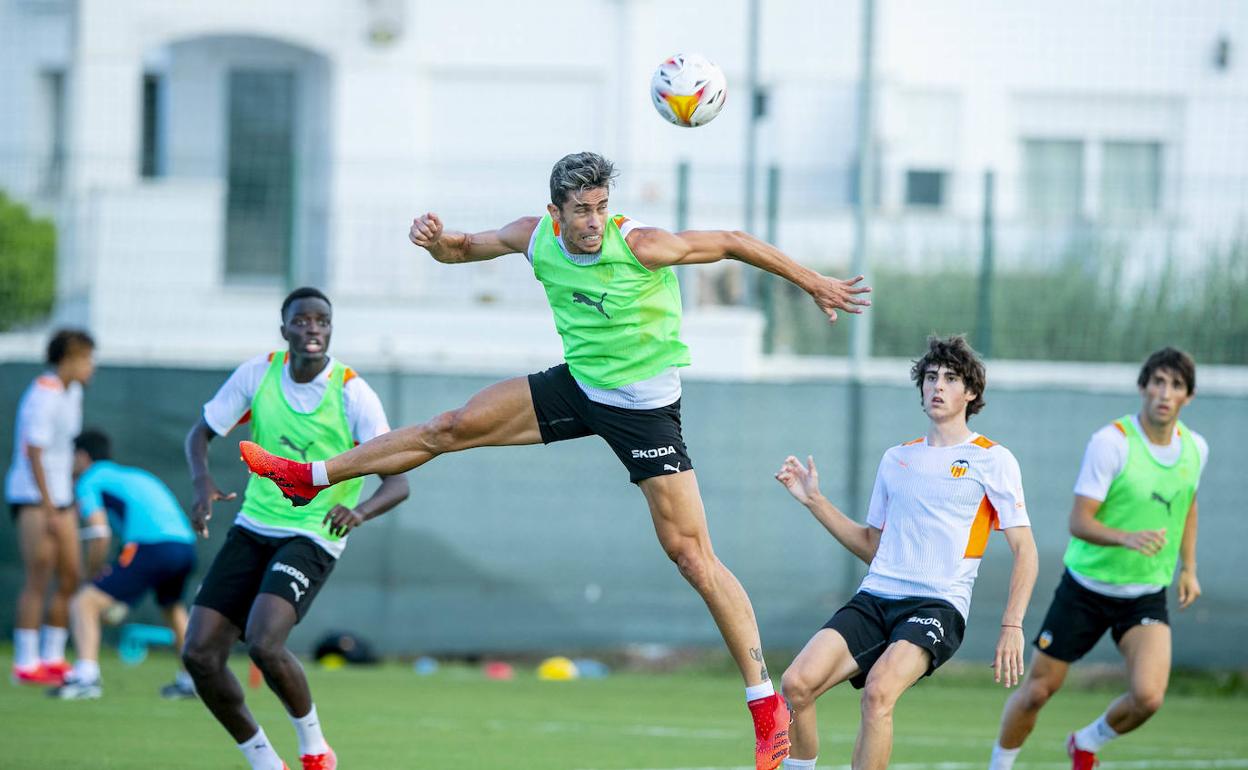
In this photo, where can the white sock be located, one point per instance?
(259, 753)
(764, 690)
(790, 762)
(1095, 735)
(86, 671)
(183, 679)
(25, 648)
(320, 476)
(1003, 759)
(308, 728)
(53, 648)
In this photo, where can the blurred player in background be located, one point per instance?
(39, 490)
(275, 559)
(617, 307)
(158, 554)
(934, 503)
(1133, 519)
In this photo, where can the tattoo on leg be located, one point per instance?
(757, 655)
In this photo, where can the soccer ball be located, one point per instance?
(688, 90)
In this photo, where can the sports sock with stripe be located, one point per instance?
(1095, 735)
(259, 753)
(308, 728)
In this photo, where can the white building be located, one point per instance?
(202, 157)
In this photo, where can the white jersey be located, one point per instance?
(49, 416)
(935, 507)
(1103, 460)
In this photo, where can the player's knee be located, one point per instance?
(265, 650)
(202, 660)
(1036, 692)
(1148, 702)
(695, 564)
(797, 689)
(878, 701)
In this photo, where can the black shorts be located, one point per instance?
(162, 567)
(1079, 617)
(871, 623)
(647, 441)
(250, 564)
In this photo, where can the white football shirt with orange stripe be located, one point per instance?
(936, 507)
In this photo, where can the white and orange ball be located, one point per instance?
(688, 90)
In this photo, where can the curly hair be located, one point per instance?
(956, 355)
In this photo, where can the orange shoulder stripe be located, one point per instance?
(918, 440)
(49, 382)
(348, 375)
(984, 442)
(1120, 427)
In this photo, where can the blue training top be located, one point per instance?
(146, 509)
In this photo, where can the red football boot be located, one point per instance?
(771, 731)
(59, 668)
(326, 761)
(292, 478)
(37, 675)
(1080, 759)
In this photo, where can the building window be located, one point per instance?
(1053, 178)
(151, 158)
(925, 188)
(1130, 179)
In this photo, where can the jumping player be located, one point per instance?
(617, 307)
(275, 560)
(1133, 519)
(40, 493)
(935, 500)
(159, 554)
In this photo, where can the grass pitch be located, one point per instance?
(389, 717)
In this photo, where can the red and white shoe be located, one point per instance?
(37, 675)
(1080, 759)
(292, 478)
(771, 731)
(326, 761)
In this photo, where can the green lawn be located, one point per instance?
(389, 717)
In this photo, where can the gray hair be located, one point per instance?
(577, 173)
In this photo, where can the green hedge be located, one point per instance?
(1077, 311)
(27, 265)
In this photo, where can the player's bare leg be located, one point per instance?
(268, 626)
(63, 528)
(901, 665)
(822, 664)
(680, 523)
(1044, 678)
(38, 552)
(85, 610)
(209, 637)
(1147, 651)
(500, 415)
(175, 618)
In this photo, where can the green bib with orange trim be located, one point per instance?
(1144, 495)
(619, 321)
(318, 435)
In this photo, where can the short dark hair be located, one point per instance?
(301, 293)
(67, 342)
(578, 172)
(956, 355)
(1173, 359)
(95, 443)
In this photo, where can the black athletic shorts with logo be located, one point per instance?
(1079, 617)
(647, 441)
(871, 623)
(250, 564)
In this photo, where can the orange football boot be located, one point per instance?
(771, 731)
(292, 478)
(326, 761)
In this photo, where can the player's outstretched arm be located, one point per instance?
(1189, 586)
(1007, 667)
(206, 491)
(453, 247)
(803, 483)
(657, 248)
(1085, 526)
